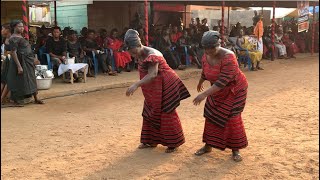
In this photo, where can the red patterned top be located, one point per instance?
(164, 93)
(230, 100)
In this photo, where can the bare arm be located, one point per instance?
(152, 73)
(14, 55)
(213, 89)
(239, 43)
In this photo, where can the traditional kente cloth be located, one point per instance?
(161, 123)
(224, 127)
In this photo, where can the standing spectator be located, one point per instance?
(21, 76)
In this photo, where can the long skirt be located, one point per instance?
(22, 86)
(281, 49)
(121, 58)
(255, 56)
(170, 133)
(291, 49)
(4, 70)
(232, 136)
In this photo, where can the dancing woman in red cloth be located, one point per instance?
(163, 90)
(226, 98)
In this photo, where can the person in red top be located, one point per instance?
(290, 45)
(121, 57)
(226, 98)
(101, 38)
(163, 90)
(175, 35)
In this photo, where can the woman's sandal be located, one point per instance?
(144, 146)
(112, 73)
(171, 149)
(39, 102)
(181, 67)
(260, 68)
(202, 151)
(236, 156)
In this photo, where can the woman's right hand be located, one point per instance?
(20, 70)
(200, 87)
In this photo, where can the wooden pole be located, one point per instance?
(273, 30)
(55, 13)
(25, 18)
(313, 26)
(146, 21)
(222, 24)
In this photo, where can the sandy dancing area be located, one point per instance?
(95, 135)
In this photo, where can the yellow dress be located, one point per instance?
(254, 55)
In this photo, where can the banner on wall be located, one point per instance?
(39, 14)
(303, 13)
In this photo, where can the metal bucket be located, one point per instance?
(44, 83)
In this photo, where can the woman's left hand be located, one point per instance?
(131, 89)
(198, 99)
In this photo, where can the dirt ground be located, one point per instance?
(95, 135)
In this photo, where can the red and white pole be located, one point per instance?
(273, 30)
(222, 24)
(146, 21)
(313, 26)
(25, 18)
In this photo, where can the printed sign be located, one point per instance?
(303, 12)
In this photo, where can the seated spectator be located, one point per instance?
(65, 33)
(267, 45)
(255, 56)
(101, 38)
(142, 35)
(74, 49)
(163, 44)
(185, 41)
(195, 38)
(290, 45)
(57, 48)
(125, 29)
(121, 57)
(83, 34)
(236, 30)
(204, 26)
(175, 35)
(193, 23)
(89, 45)
(40, 47)
(279, 44)
(301, 41)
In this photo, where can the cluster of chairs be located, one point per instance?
(44, 55)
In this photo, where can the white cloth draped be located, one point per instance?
(73, 67)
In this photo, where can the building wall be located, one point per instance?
(10, 10)
(74, 16)
(243, 16)
(109, 15)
